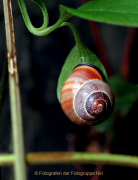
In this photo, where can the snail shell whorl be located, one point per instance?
(85, 98)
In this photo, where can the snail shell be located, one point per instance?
(86, 98)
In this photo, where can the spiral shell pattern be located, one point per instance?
(85, 98)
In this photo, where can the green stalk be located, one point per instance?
(73, 158)
(43, 30)
(75, 32)
(26, 18)
(82, 158)
(15, 102)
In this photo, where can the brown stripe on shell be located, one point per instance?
(88, 72)
(93, 66)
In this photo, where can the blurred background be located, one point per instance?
(46, 128)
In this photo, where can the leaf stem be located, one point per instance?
(15, 102)
(74, 157)
(75, 32)
(43, 30)
(26, 18)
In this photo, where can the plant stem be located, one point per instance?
(72, 158)
(82, 158)
(15, 102)
(75, 32)
(43, 30)
(27, 19)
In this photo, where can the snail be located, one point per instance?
(86, 98)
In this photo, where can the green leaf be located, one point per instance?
(126, 94)
(118, 12)
(77, 55)
(64, 15)
(106, 125)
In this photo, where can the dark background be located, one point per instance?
(40, 60)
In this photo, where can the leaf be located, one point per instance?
(75, 57)
(108, 123)
(64, 15)
(118, 12)
(126, 94)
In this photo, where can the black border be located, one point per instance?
(93, 66)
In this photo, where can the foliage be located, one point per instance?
(126, 95)
(124, 12)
